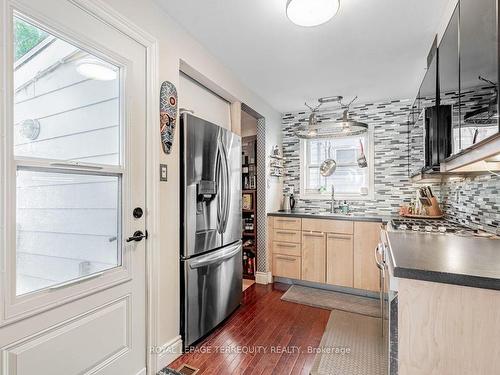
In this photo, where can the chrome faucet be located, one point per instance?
(332, 203)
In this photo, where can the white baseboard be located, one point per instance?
(169, 352)
(263, 278)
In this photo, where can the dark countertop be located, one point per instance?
(327, 215)
(446, 258)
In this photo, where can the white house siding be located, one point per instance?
(66, 223)
(53, 52)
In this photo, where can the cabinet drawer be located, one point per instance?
(286, 248)
(286, 266)
(284, 235)
(328, 226)
(291, 223)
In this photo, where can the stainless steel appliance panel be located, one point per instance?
(200, 188)
(213, 288)
(390, 305)
(232, 223)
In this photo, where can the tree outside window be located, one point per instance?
(26, 37)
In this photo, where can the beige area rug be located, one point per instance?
(351, 345)
(247, 284)
(330, 300)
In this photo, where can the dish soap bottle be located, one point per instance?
(345, 208)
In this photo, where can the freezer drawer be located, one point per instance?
(212, 290)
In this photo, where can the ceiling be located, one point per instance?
(375, 49)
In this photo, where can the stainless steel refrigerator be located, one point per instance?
(211, 253)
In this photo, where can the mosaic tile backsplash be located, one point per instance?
(474, 201)
(479, 199)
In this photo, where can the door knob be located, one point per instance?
(138, 236)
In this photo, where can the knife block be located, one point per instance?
(434, 209)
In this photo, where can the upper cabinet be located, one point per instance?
(449, 81)
(478, 38)
(463, 115)
(426, 150)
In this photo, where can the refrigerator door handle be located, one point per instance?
(227, 182)
(219, 181)
(215, 258)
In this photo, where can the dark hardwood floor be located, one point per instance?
(264, 336)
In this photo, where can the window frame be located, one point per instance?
(311, 195)
(17, 307)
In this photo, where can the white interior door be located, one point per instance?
(73, 171)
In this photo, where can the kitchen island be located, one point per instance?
(450, 259)
(447, 317)
(448, 303)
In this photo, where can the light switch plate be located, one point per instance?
(163, 172)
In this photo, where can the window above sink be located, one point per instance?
(350, 181)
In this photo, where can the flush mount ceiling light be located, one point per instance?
(311, 12)
(97, 69)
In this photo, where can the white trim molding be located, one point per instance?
(263, 278)
(114, 18)
(168, 352)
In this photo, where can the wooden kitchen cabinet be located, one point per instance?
(283, 235)
(447, 329)
(287, 223)
(366, 239)
(339, 260)
(314, 256)
(286, 248)
(286, 266)
(327, 226)
(284, 238)
(337, 252)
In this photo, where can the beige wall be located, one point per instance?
(203, 103)
(274, 185)
(175, 45)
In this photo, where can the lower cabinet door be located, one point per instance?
(340, 260)
(286, 266)
(314, 256)
(366, 239)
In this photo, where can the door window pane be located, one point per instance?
(67, 227)
(66, 101)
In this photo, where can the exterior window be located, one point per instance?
(69, 169)
(350, 181)
(60, 238)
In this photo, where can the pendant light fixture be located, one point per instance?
(320, 125)
(311, 12)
